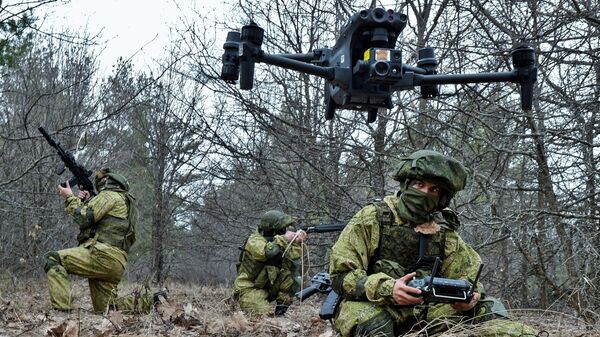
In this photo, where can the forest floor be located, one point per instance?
(198, 311)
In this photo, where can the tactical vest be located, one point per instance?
(256, 271)
(401, 250)
(114, 231)
(251, 267)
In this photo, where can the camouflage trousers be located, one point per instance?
(103, 266)
(369, 319)
(258, 300)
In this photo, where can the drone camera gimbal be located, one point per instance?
(363, 69)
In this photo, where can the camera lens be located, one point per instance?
(378, 14)
(390, 15)
(381, 68)
(402, 19)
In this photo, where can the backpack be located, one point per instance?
(129, 238)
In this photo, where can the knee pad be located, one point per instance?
(51, 259)
(380, 325)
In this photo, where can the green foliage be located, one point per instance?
(15, 38)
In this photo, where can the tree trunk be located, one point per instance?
(159, 211)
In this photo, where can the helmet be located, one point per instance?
(274, 222)
(105, 179)
(446, 172)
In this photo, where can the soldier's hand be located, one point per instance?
(84, 195)
(403, 294)
(298, 236)
(65, 192)
(461, 306)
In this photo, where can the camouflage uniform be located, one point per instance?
(265, 273)
(107, 232)
(380, 245)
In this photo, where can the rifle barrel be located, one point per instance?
(324, 228)
(47, 136)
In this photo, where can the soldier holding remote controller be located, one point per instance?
(388, 244)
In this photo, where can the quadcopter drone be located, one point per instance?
(363, 69)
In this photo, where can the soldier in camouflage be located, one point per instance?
(107, 231)
(388, 243)
(268, 268)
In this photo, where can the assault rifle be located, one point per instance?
(80, 174)
(320, 283)
(323, 228)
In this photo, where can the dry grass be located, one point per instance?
(197, 311)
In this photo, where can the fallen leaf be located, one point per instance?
(104, 329)
(240, 322)
(175, 332)
(25, 317)
(188, 309)
(215, 327)
(165, 309)
(68, 328)
(327, 333)
(116, 318)
(130, 319)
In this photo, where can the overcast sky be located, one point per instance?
(126, 26)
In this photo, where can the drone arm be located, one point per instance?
(420, 79)
(413, 69)
(524, 77)
(286, 61)
(524, 73)
(308, 57)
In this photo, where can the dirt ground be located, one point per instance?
(193, 310)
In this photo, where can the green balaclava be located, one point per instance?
(418, 207)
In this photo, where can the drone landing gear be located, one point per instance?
(330, 110)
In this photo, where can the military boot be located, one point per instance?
(281, 309)
(157, 296)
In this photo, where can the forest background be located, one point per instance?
(205, 159)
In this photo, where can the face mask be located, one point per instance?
(416, 206)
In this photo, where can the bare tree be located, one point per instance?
(47, 86)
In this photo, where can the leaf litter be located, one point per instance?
(193, 310)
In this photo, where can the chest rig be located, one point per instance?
(112, 230)
(401, 250)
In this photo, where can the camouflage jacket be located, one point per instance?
(262, 260)
(356, 249)
(103, 218)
